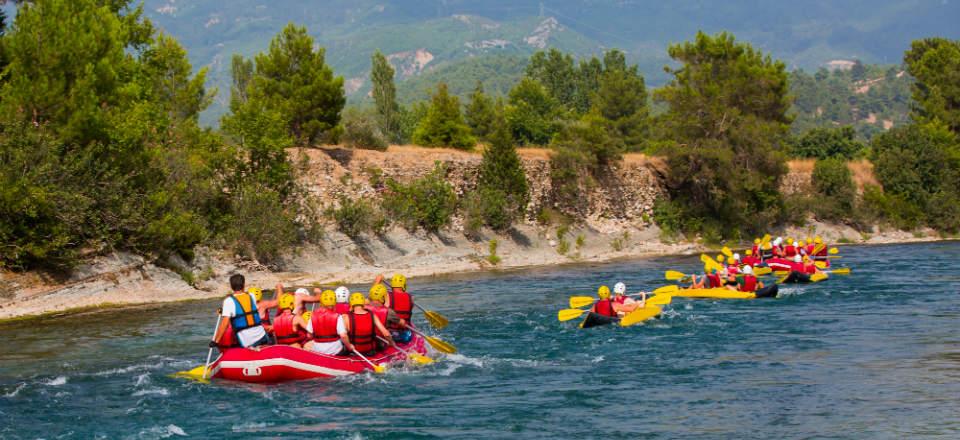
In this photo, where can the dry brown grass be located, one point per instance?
(863, 173)
(801, 165)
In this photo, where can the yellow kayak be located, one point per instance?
(766, 292)
(640, 315)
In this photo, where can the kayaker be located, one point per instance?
(749, 282)
(343, 300)
(731, 281)
(714, 278)
(766, 251)
(240, 309)
(777, 248)
(397, 327)
(750, 259)
(809, 266)
(604, 307)
(624, 304)
(288, 329)
(756, 247)
(363, 327)
(819, 250)
(327, 329)
(734, 264)
(790, 250)
(401, 302)
(697, 284)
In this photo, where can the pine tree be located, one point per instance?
(385, 96)
(480, 113)
(935, 63)
(622, 101)
(501, 167)
(532, 114)
(443, 125)
(293, 79)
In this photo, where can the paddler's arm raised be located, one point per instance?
(378, 280)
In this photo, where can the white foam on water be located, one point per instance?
(152, 392)
(158, 432)
(688, 306)
(250, 427)
(597, 359)
(55, 382)
(142, 379)
(16, 390)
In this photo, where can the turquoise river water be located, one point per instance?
(872, 355)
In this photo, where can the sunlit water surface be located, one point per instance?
(872, 355)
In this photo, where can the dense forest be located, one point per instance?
(101, 146)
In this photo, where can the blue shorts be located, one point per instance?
(402, 336)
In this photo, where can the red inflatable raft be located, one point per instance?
(783, 264)
(280, 363)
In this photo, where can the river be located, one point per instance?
(872, 355)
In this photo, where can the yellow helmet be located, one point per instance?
(720, 258)
(306, 316)
(328, 298)
(378, 293)
(286, 301)
(789, 240)
(398, 280)
(767, 246)
(749, 252)
(603, 292)
(256, 292)
(357, 299)
(809, 240)
(756, 241)
(818, 240)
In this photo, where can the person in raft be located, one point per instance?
(749, 282)
(401, 302)
(240, 309)
(730, 282)
(604, 307)
(288, 329)
(326, 329)
(386, 315)
(363, 327)
(809, 266)
(343, 298)
(622, 304)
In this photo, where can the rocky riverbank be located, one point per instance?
(617, 225)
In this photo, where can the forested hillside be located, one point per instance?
(419, 35)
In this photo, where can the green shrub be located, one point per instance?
(443, 125)
(360, 130)
(261, 225)
(826, 143)
(493, 258)
(355, 217)
(833, 182)
(428, 202)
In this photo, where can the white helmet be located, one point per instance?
(747, 270)
(797, 259)
(343, 294)
(620, 288)
(777, 241)
(302, 292)
(795, 244)
(736, 257)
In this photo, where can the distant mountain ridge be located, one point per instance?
(419, 35)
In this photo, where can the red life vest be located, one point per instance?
(342, 308)
(714, 280)
(811, 269)
(402, 303)
(790, 251)
(380, 311)
(620, 299)
(749, 284)
(362, 331)
(733, 268)
(283, 328)
(604, 307)
(228, 340)
(755, 250)
(324, 322)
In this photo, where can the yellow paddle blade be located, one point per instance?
(379, 369)
(762, 271)
(441, 345)
(192, 374)
(766, 239)
(783, 278)
(709, 263)
(818, 248)
(834, 256)
(834, 251)
(568, 314)
(436, 320)
(665, 290)
(581, 301)
(819, 276)
(841, 271)
(726, 251)
(420, 359)
(660, 300)
(672, 275)
(781, 273)
(820, 264)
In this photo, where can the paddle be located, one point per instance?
(709, 263)
(583, 301)
(437, 343)
(840, 271)
(435, 319)
(200, 372)
(673, 275)
(726, 251)
(570, 314)
(834, 251)
(633, 318)
(379, 369)
(416, 357)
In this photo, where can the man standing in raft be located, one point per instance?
(240, 309)
(401, 302)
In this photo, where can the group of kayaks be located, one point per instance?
(799, 262)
